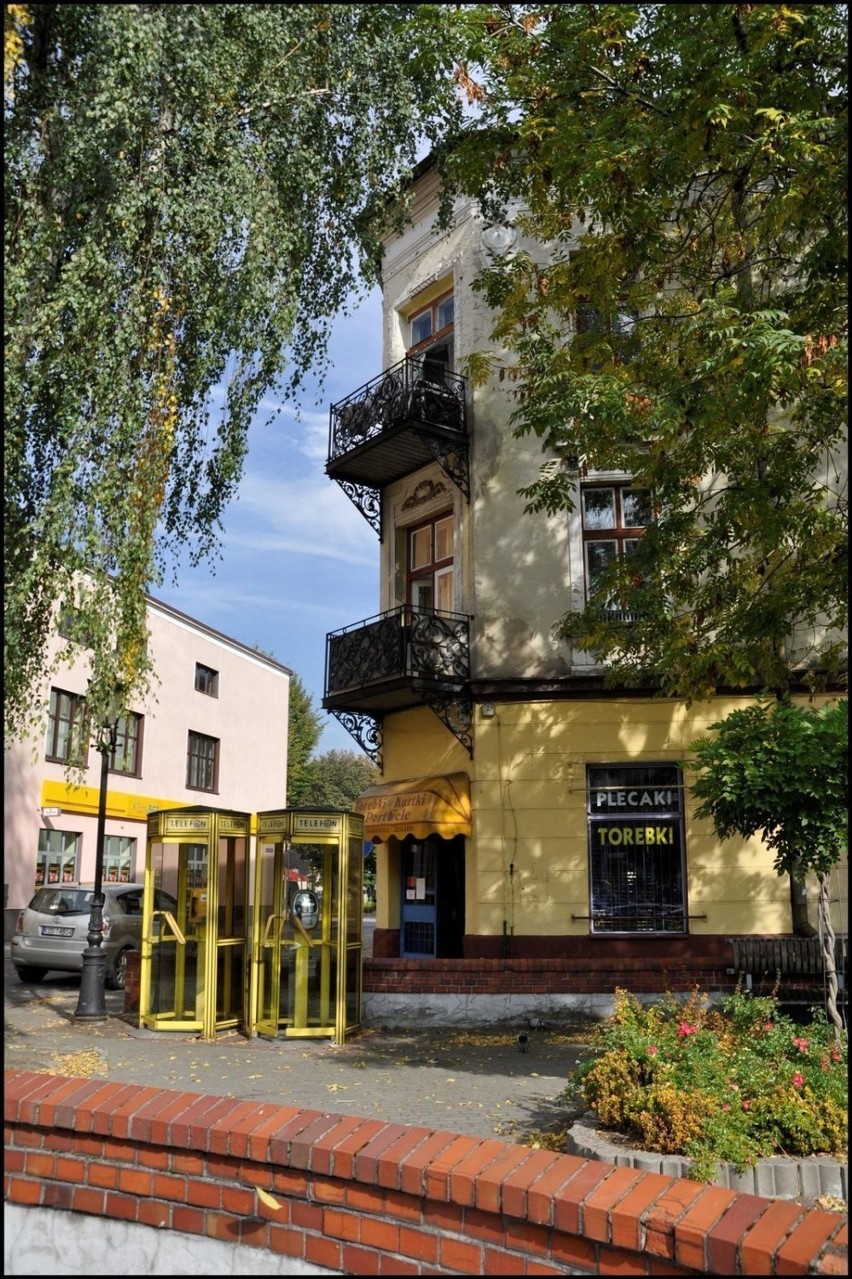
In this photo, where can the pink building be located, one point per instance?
(213, 732)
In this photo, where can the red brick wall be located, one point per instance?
(374, 1198)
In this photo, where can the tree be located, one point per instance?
(304, 732)
(682, 169)
(187, 194)
(338, 777)
(782, 770)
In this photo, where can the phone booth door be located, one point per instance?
(307, 968)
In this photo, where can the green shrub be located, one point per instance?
(734, 1083)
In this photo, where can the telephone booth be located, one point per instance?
(308, 904)
(194, 972)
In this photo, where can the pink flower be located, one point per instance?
(726, 1105)
(746, 1105)
(802, 1044)
(767, 1026)
(735, 1087)
(685, 1028)
(797, 1080)
(835, 1053)
(652, 1051)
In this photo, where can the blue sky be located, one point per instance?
(297, 558)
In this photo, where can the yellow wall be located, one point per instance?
(528, 785)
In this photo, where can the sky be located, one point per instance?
(297, 557)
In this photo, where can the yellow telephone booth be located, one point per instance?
(194, 974)
(308, 905)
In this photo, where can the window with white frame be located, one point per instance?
(430, 337)
(202, 762)
(430, 569)
(636, 848)
(56, 860)
(119, 856)
(614, 517)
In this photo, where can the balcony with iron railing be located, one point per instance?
(404, 657)
(408, 416)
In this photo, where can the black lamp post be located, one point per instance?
(91, 1005)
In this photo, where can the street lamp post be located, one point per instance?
(91, 1005)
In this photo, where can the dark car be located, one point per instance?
(52, 931)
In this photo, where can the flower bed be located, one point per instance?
(731, 1084)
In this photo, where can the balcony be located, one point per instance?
(402, 658)
(405, 418)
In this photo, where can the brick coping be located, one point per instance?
(370, 1197)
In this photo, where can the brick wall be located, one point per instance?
(374, 1198)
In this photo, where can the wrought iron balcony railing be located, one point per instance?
(411, 392)
(396, 659)
(408, 416)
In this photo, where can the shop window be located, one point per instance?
(636, 848)
(614, 518)
(56, 861)
(67, 729)
(127, 756)
(202, 763)
(430, 571)
(119, 859)
(206, 680)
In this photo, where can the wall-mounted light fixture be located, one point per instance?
(489, 710)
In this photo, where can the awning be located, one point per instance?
(420, 806)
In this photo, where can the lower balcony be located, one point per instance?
(399, 659)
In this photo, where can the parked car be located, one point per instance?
(52, 931)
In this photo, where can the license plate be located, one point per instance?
(57, 932)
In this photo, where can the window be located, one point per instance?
(430, 571)
(202, 762)
(206, 680)
(67, 728)
(119, 853)
(127, 756)
(56, 862)
(614, 518)
(431, 337)
(636, 848)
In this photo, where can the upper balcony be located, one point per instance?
(408, 416)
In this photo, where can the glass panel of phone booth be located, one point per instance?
(176, 982)
(270, 912)
(231, 932)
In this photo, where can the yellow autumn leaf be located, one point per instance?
(266, 1198)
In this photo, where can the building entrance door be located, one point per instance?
(432, 907)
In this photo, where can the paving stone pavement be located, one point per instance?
(476, 1083)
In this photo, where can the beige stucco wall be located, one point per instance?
(528, 792)
(249, 717)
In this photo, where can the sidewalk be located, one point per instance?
(474, 1083)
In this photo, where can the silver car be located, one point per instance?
(52, 931)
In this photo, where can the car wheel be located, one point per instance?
(30, 974)
(117, 972)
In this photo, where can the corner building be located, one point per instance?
(534, 839)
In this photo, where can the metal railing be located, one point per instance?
(411, 390)
(404, 642)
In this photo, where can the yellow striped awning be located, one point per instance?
(420, 806)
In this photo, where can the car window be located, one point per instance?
(62, 901)
(164, 901)
(130, 903)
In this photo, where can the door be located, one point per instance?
(418, 916)
(433, 911)
(297, 929)
(173, 997)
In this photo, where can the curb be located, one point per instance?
(780, 1177)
